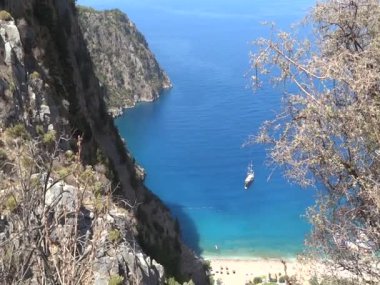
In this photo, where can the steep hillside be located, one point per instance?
(122, 59)
(61, 159)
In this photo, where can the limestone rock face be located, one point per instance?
(23, 96)
(122, 59)
(126, 254)
(12, 42)
(12, 80)
(123, 257)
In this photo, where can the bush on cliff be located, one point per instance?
(5, 16)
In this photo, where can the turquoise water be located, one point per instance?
(189, 141)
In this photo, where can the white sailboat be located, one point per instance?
(250, 176)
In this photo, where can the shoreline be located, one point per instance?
(248, 258)
(238, 270)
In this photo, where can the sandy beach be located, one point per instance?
(239, 271)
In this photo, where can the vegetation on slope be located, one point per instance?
(122, 59)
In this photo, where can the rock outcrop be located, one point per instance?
(122, 59)
(52, 107)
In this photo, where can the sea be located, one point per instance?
(190, 141)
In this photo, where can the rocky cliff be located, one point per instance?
(73, 205)
(122, 59)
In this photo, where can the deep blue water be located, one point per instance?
(189, 141)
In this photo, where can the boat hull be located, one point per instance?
(248, 181)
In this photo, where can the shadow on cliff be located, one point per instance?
(189, 232)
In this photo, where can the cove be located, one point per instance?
(189, 141)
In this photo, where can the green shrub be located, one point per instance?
(69, 154)
(100, 156)
(282, 279)
(114, 236)
(97, 188)
(3, 156)
(116, 279)
(11, 203)
(49, 137)
(40, 130)
(5, 16)
(35, 181)
(99, 204)
(18, 131)
(63, 172)
(27, 162)
(35, 75)
(257, 280)
(12, 87)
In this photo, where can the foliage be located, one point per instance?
(40, 130)
(114, 236)
(35, 75)
(49, 137)
(69, 154)
(116, 280)
(99, 204)
(328, 280)
(327, 135)
(5, 16)
(128, 72)
(18, 131)
(48, 239)
(11, 203)
(257, 280)
(63, 172)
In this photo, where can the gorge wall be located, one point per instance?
(49, 91)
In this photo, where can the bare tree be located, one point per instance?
(48, 235)
(328, 134)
